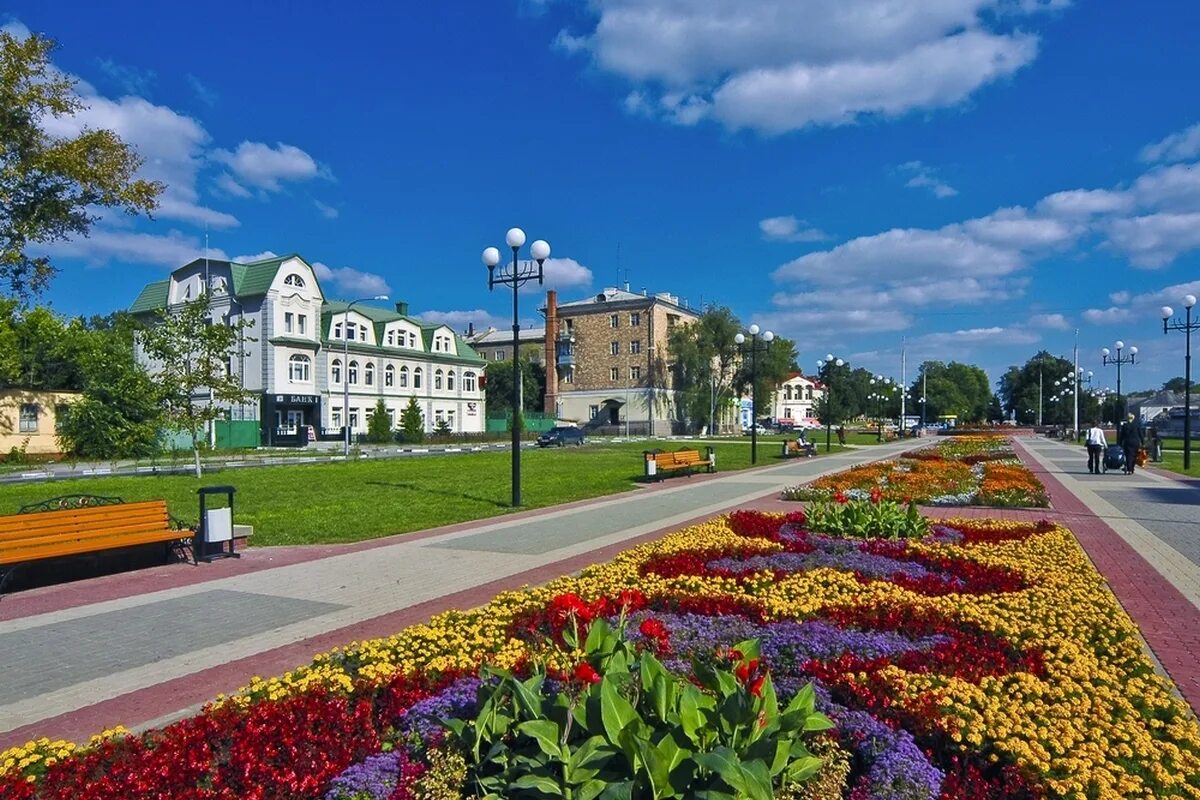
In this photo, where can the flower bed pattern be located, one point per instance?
(963, 471)
(986, 661)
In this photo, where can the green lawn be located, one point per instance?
(1174, 462)
(344, 502)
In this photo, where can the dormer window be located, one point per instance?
(294, 280)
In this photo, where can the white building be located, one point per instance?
(796, 402)
(305, 350)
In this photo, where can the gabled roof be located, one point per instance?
(498, 337)
(250, 279)
(380, 317)
(152, 297)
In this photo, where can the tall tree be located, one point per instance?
(1023, 387)
(499, 383)
(50, 186)
(953, 389)
(412, 422)
(1175, 384)
(190, 353)
(705, 361)
(379, 424)
(775, 364)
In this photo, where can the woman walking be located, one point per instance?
(1096, 442)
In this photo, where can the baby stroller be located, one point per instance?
(1114, 458)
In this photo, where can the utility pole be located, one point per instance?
(1075, 383)
(903, 383)
(1041, 358)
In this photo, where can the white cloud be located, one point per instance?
(779, 65)
(1173, 188)
(905, 293)
(265, 167)
(1014, 228)
(1155, 240)
(459, 320)
(1179, 146)
(131, 79)
(204, 93)
(1120, 298)
(349, 282)
(1056, 322)
(246, 259)
(826, 324)
(1084, 202)
(561, 274)
(225, 184)
(970, 336)
(169, 250)
(327, 211)
(925, 177)
(790, 229)
(1107, 316)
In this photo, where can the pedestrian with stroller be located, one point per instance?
(1096, 442)
(1130, 439)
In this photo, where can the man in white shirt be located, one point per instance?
(1096, 442)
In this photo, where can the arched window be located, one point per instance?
(468, 381)
(335, 371)
(437, 380)
(298, 368)
(353, 372)
(450, 380)
(404, 377)
(370, 376)
(294, 280)
(389, 375)
(417, 378)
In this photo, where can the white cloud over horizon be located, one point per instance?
(790, 229)
(923, 176)
(350, 283)
(261, 166)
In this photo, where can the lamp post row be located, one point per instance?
(1186, 326)
(758, 342)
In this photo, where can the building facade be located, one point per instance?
(611, 368)
(797, 401)
(29, 420)
(496, 345)
(302, 351)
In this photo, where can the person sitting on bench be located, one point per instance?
(803, 444)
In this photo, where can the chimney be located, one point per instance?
(550, 404)
(402, 308)
(470, 329)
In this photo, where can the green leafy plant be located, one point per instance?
(379, 424)
(624, 727)
(873, 518)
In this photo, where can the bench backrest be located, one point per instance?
(678, 457)
(150, 515)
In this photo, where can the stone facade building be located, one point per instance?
(303, 349)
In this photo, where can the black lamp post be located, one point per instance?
(1118, 360)
(827, 376)
(1186, 327)
(757, 343)
(516, 276)
(881, 396)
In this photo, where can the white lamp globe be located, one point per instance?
(540, 250)
(515, 237)
(1103, 351)
(1119, 344)
(491, 256)
(1090, 373)
(1166, 312)
(740, 338)
(829, 356)
(820, 363)
(1189, 300)
(1133, 351)
(768, 336)
(840, 363)
(753, 330)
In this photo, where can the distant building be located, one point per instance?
(796, 402)
(608, 364)
(496, 345)
(1150, 407)
(29, 419)
(302, 350)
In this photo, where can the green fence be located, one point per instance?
(535, 421)
(237, 433)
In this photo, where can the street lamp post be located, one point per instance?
(757, 343)
(346, 371)
(1118, 360)
(829, 361)
(518, 275)
(1186, 327)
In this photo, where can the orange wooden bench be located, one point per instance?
(84, 528)
(685, 461)
(792, 449)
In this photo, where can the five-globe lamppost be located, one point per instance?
(1186, 327)
(1118, 359)
(346, 369)
(516, 275)
(881, 396)
(829, 361)
(756, 344)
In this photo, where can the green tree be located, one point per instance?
(1020, 392)
(775, 364)
(995, 410)
(499, 382)
(379, 426)
(50, 187)
(1175, 384)
(442, 428)
(190, 353)
(705, 364)
(953, 389)
(412, 422)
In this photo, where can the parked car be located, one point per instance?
(561, 437)
(762, 430)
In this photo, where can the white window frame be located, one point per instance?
(614, 373)
(635, 319)
(389, 376)
(418, 373)
(29, 414)
(614, 320)
(301, 321)
(449, 380)
(403, 377)
(352, 372)
(438, 380)
(335, 371)
(614, 348)
(288, 319)
(635, 373)
(369, 374)
(303, 374)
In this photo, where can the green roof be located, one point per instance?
(255, 278)
(381, 316)
(152, 298)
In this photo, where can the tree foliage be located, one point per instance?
(412, 422)
(499, 383)
(1019, 392)
(953, 389)
(379, 426)
(705, 363)
(51, 186)
(190, 352)
(1176, 384)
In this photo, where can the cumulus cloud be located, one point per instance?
(780, 65)
(1155, 240)
(103, 246)
(970, 336)
(1179, 146)
(264, 167)
(1107, 316)
(1056, 322)
(790, 229)
(922, 176)
(326, 211)
(562, 274)
(131, 80)
(350, 282)
(204, 93)
(1084, 203)
(246, 259)
(459, 320)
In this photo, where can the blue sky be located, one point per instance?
(978, 178)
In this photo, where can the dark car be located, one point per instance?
(560, 437)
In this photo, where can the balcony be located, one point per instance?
(565, 348)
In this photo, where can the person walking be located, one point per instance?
(841, 432)
(1096, 442)
(1130, 439)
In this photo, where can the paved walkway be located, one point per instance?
(141, 648)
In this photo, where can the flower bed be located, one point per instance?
(963, 471)
(986, 660)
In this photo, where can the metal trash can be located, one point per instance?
(214, 535)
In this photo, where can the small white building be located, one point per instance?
(796, 402)
(304, 351)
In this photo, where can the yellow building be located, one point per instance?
(29, 419)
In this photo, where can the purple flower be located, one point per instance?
(459, 699)
(373, 779)
(896, 769)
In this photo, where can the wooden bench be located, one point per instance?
(660, 463)
(82, 525)
(793, 449)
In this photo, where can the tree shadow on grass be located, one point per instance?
(454, 495)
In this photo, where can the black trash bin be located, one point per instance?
(214, 535)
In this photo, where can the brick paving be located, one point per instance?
(465, 565)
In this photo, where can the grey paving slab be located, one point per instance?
(541, 536)
(1172, 514)
(50, 657)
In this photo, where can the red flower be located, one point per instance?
(653, 628)
(756, 687)
(876, 494)
(841, 498)
(584, 673)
